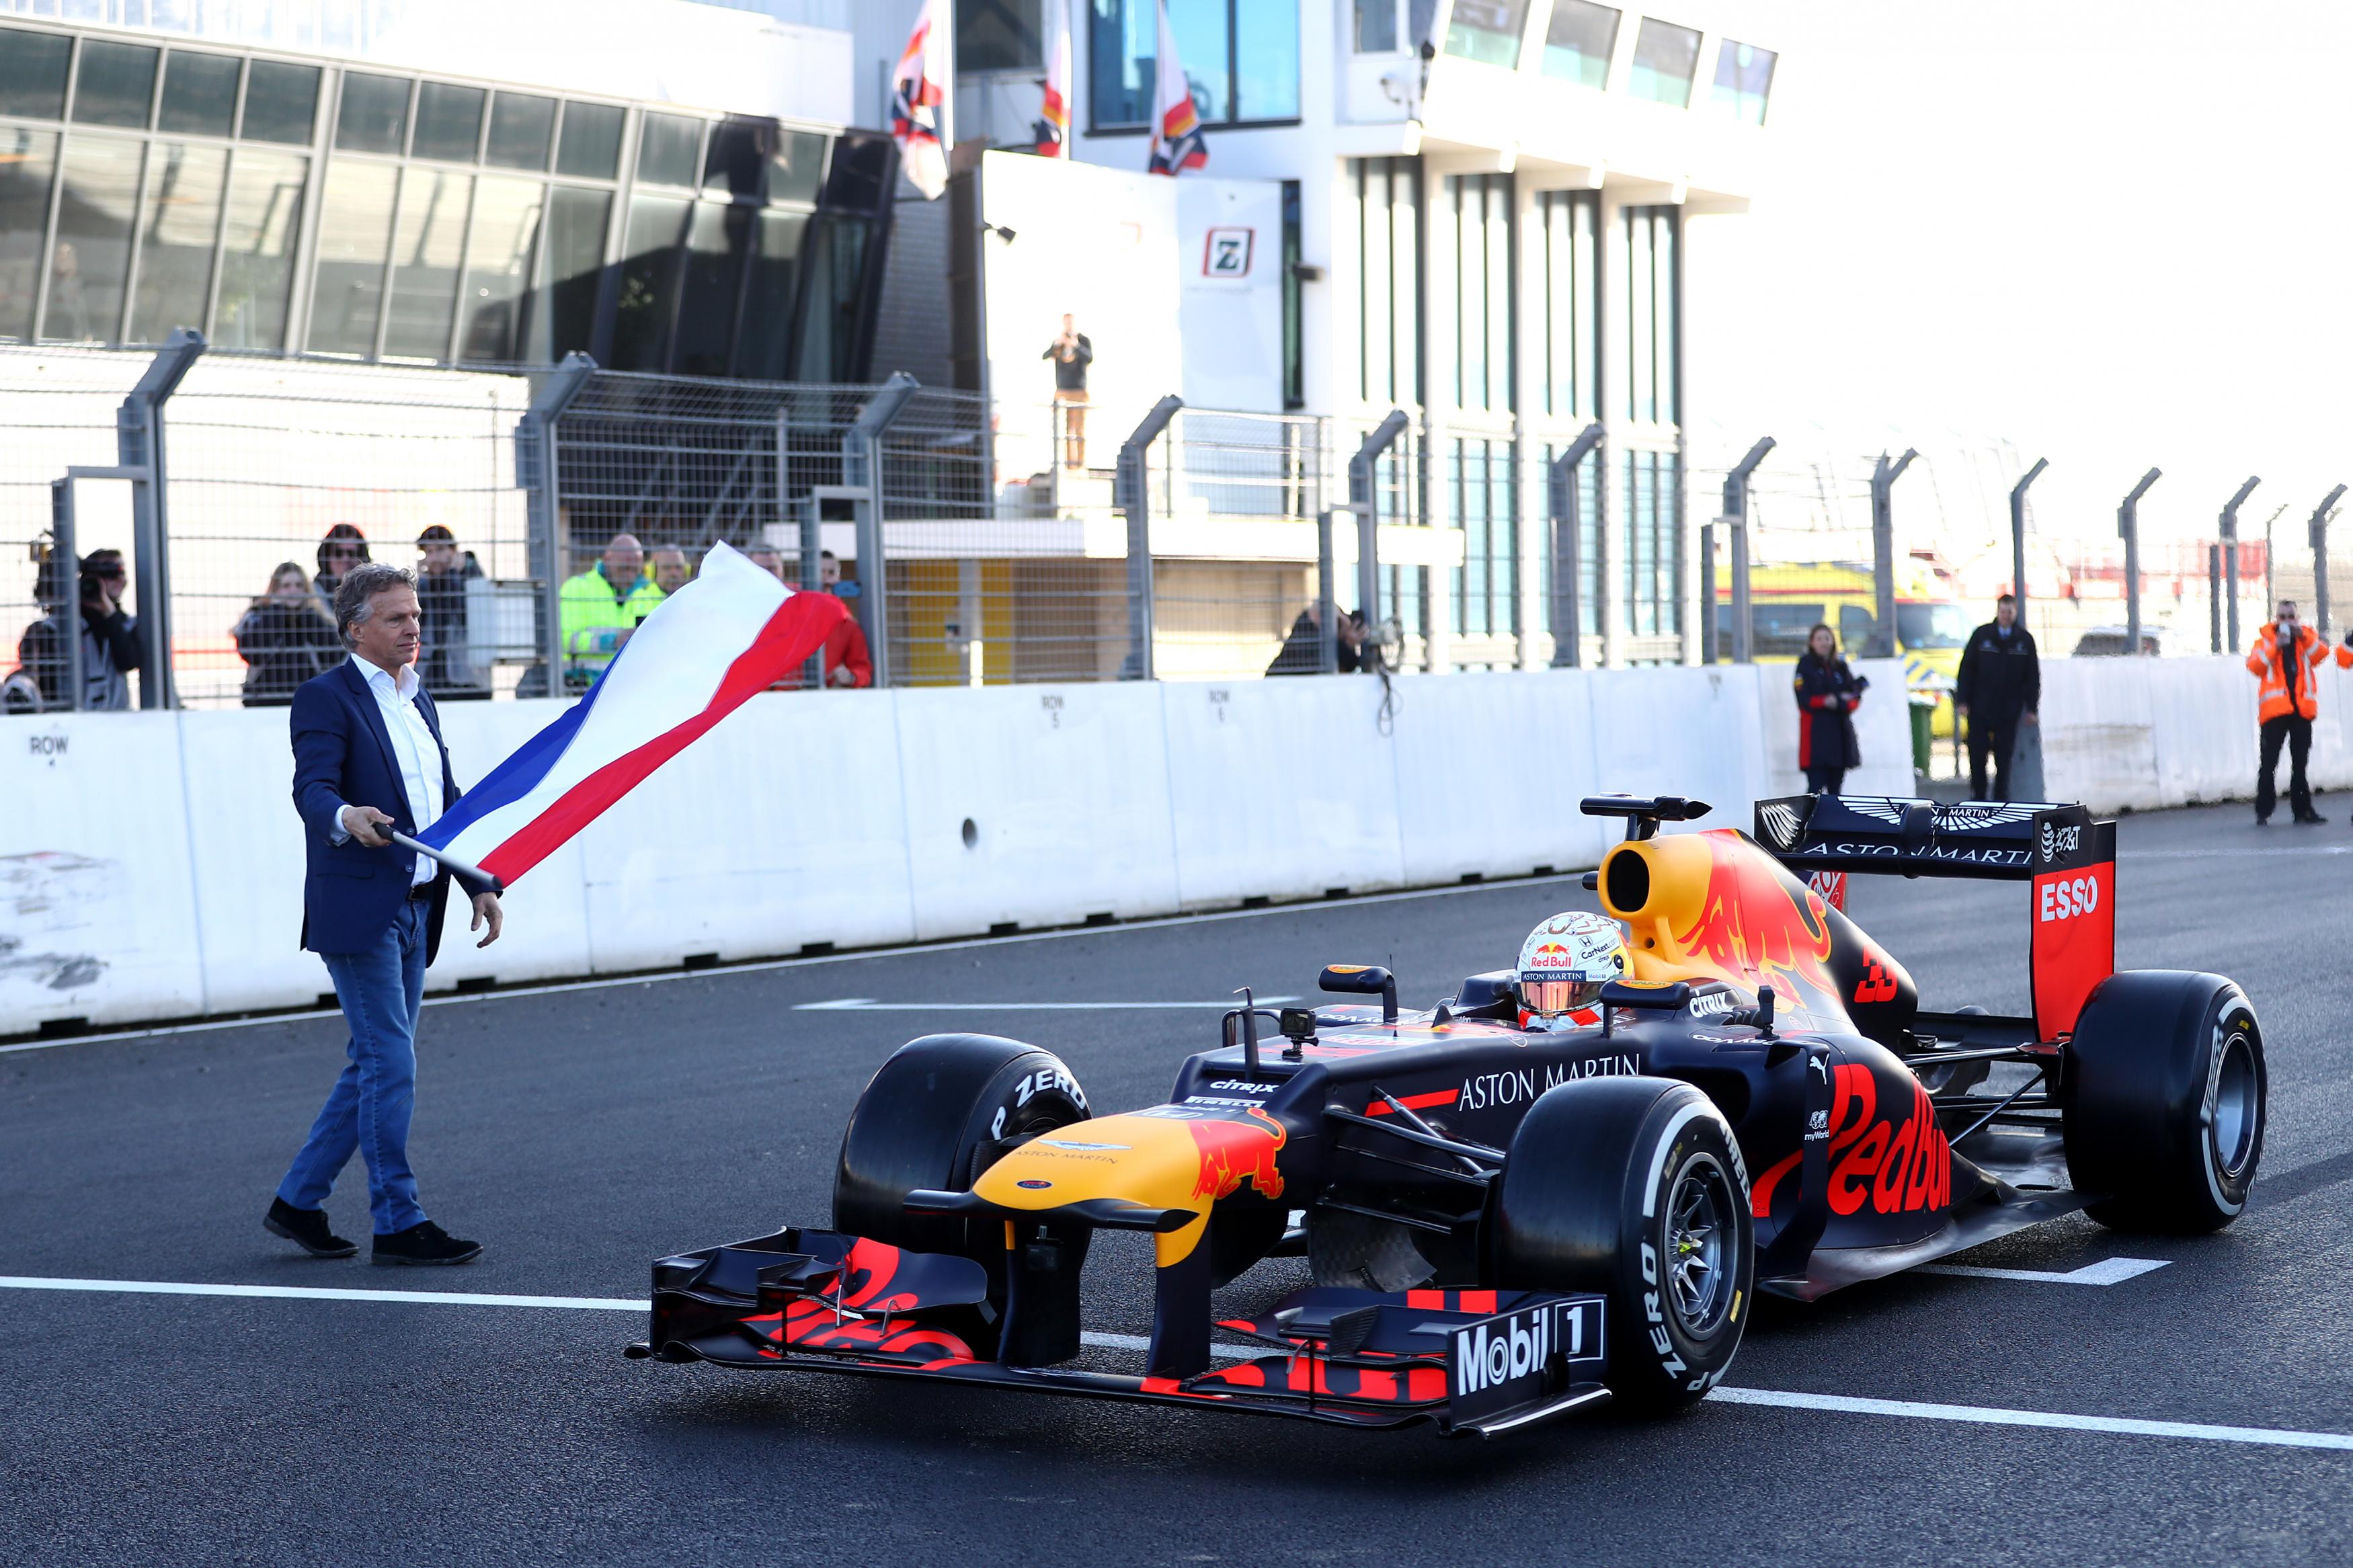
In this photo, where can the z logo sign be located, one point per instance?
(1227, 253)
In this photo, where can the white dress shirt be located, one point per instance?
(412, 747)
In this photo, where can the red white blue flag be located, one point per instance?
(1053, 126)
(733, 631)
(1177, 140)
(919, 104)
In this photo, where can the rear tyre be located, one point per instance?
(940, 1111)
(2165, 1097)
(1632, 1188)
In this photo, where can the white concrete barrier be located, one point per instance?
(150, 865)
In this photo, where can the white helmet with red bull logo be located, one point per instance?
(1567, 960)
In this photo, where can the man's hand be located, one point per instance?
(360, 822)
(2029, 717)
(843, 676)
(1962, 708)
(486, 908)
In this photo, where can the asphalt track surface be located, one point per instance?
(581, 1132)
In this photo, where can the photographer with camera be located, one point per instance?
(110, 636)
(1828, 692)
(2286, 659)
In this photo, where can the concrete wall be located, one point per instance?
(151, 864)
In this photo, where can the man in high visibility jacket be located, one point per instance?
(2287, 658)
(602, 607)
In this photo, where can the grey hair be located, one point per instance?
(356, 595)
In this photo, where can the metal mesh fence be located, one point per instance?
(59, 411)
(1236, 503)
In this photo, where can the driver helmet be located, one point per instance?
(1567, 960)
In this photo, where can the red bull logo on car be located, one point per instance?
(1236, 1150)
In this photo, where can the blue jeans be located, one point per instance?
(368, 1110)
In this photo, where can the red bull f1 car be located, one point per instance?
(1508, 1216)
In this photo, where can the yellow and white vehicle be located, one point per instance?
(1787, 602)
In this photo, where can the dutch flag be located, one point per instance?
(701, 655)
(1177, 140)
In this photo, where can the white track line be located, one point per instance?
(765, 965)
(2107, 1271)
(868, 1005)
(1839, 1404)
(1990, 1415)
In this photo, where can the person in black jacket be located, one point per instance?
(1302, 650)
(1828, 694)
(110, 638)
(284, 640)
(1072, 353)
(445, 666)
(1999, 687)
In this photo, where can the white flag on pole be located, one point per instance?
(919, 103)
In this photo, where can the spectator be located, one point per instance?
(1998, 687)
(1828, 694)
(602, 606)
(1072, 353)
(1302, 650)
(768, 561)
(284, 639)
(671, 571)
(110, 641)
(344, 548)
(2287, 658)
(447, 668)
(848, 662)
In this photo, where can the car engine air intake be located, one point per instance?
(1626, 881)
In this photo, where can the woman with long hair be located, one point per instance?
(1828, 694)
(284, 639)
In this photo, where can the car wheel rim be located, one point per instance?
(2236, 1109)
(1702, 1246)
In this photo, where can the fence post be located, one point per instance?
(545, 546)
(2231, 556)
(2017, 534)
(1882, 552)
(64, 582)
(2320, 535)
(1567, 549)
(2129, 530)
(1735, 515)
(1707, 599)
(139, 444)
(1327, 628)
(1132, 491)
(1369, 513)
(862, 467)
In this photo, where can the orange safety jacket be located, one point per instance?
(2309, 653)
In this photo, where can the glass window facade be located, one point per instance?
(1375, 27)
(1488, 30)
(1744, 79)
(144, 188)
(1653, 535)
(1587, 480)
(1572, 302)
(1480, 500)
(1578, 41)
(1389, 252)
(1480, 205)
(1653, 315)
(1665, 58)
(1000, 34)
(1241, 57)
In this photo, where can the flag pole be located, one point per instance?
(465, 871)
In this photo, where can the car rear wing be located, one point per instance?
(2067, 856)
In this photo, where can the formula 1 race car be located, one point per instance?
(1509, 1212)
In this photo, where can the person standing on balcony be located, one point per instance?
(1072, 353)
(1998, 687)
(2286, 659)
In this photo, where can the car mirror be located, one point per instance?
(1362, 980)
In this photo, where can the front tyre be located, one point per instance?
(2166, 1100)
(1632, 1188)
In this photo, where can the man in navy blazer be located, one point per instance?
(368, 758)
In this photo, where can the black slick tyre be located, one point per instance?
(1634, 1188)
(940, 1111)
(2166, 1091)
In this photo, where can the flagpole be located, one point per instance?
(466, 870)
(943, 18)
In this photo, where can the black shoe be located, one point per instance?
(2310, 818)
(424, 1241)
(2262, 822)
(306, 1228)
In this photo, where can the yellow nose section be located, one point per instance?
(1176, 1158)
